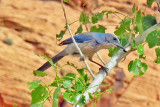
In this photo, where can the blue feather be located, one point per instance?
(84, 37)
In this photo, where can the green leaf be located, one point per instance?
(140, 49)
(81, 100)
(67, 96)
(67, 84)
(60, 36)
(144, 69)
(157, 60)
(8, 41)
(110, 90)
(133, 9)
(97, 17)
(39, 73)
(39, 94)
(99, 28)
(15, 105)
(149, 2)
(84, 4)
(134, 66)
(133, 44)
(70, 96)
(120, 31)
(126, 23)
(81, 72)
(54, 83)
(56, 96)
(158, 52)
(69, 76)
(134, 76)
(84, 18)
(124, 39)
(153, 38)
(83, 75)
(38, 105)
(139, 21)
(124, 26)
(112, 51)
(137, 66)
(79, 30)
(148, 21)
(67, 1)
(57, 81)
(90, 95)
(34, 84)
(79, 84)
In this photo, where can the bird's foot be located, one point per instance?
(82, 58)
(119, 66)
(104, 69)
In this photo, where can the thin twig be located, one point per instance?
(130, 37)
(86, 27)
(100, 58)
(79, 50)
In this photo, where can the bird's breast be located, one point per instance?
(87, 48)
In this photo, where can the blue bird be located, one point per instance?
(89, 43)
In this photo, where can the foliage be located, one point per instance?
(74, 85)
(157, 60)
(8, 41)
(149, 2)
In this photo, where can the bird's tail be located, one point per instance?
(54, 59)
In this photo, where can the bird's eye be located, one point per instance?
(114, 38)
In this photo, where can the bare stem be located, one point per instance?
(100, 58)
(130, 37)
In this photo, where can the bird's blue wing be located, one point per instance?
(84, 37)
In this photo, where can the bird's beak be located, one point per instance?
(120, 46)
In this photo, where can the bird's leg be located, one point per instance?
(83, 59)
(119, 66)
(100, 58)
(104, 69)
(95, 62)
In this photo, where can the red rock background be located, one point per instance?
(32, 26)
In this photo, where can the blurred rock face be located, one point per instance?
(29, 27)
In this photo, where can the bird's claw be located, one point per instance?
(105, 69)
(119, 66)
(82, 58)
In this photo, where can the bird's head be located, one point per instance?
(113, 40)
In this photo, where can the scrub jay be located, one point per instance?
(89, 43)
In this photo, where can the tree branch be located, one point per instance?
(114, 61)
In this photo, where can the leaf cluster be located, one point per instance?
(73, 86)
